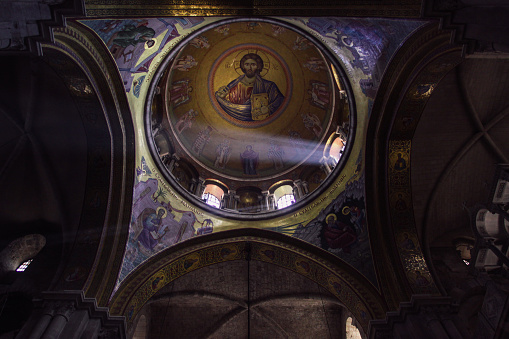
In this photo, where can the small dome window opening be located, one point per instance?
(24, 266)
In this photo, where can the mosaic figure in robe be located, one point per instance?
(250, 97)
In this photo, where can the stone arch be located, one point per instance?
(352, 289)
(86, 67)
(417, 67)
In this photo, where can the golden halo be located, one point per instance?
(331, 215)
(345, 210)
(164, 209)
(260, 53)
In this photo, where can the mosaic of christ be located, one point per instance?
(250, 97)
(250, 100)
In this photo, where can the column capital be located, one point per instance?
(65, 309)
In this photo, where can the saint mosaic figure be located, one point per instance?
(400, 163)
(249, 160)
(320, 95)
(315, 65)
(312, 123)
(200, 42)
(224, 30)
(185, 64)
(186, 121)
(276, 153)
(201, 140)
(222, 154)
(180, 92)
(151, 224)
(250, 97)
(338, 234)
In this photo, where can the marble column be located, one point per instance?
(173, 162)
(230, 200)
(265, 201)
(59, 321)
(69, 315)
(43, 322)
(298, 190)
(325, 165)
(305, 187)
(200, 187)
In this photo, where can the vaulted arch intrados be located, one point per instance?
(351, 289)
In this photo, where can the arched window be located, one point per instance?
(20, 252)
(285, 201)
(213, 193)
(141, 328)
(24, 266)
(283, 195)
(336, 149)
(211, 200)
(352, 332)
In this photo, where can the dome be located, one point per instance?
(249, 110)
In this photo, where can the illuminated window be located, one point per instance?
(24, 265)
(352, 332)
(141, 328)
(337, 148)
(283, 194)
(214, 192)
(211, 200)
(285, 201)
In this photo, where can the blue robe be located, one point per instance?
(243, 112)
(150, 224)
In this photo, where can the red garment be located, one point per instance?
(340, 237)
(240, 94)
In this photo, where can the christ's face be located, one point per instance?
(250, 68)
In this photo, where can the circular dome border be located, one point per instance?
(265, 215)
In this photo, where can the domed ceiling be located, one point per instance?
(250, 103)
(317, 78)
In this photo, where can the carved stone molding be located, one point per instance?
(432, 313)
(59, 313)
